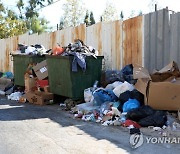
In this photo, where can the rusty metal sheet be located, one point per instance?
(79, 32)
(94, 37)
(132, 41)
(116, 43)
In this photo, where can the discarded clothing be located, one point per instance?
(79, 59)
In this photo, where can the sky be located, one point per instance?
(54, 12)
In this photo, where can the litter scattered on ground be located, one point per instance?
(128, 97)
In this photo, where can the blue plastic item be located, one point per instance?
(102, 95)
(130, 104)
(8, 75)
(116, 104)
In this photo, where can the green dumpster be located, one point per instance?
(20, 64)
(70, 84)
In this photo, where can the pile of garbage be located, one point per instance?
(121, 102)
(7, 87)
(6, 83)
(37, 89)
(79, 51)
(36, 49)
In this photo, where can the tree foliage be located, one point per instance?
(74, 12)
(121, 15)
(89, 18)
(26, 20)
(92, 20)
(10, 25)
(110, 12)
(86, 19)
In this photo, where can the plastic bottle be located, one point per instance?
(95, 85)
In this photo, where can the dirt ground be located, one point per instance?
(31, 129)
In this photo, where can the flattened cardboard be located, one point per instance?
(164, 95)
(171, 67)
(166, 72)
(140, 72)
(41, 70)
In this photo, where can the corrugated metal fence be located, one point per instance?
(151, 40)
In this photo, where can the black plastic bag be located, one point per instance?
(158, 119)
(127, 70)
(111, 76)
(140, 113)
(135, 94)
(124, 97)
(138, 96)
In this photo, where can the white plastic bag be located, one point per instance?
(88, 95)
(123, 88)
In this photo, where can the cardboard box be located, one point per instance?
(46, 89)
(164, 95)
(30, 83)
(4, 82)
(39, 98)
(41, 70)
(160, 95)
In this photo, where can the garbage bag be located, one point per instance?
(113, 85)
(127, 73)
(158, 119)
(135, 94)
(111, 76)
(127, 70)
(102, 95)
(140, 113)
(130, 104)
(88, 95)
(125, 96)
(122, 88)
(138, 96)
(8, 75)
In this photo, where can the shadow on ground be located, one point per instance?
(13, 111)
